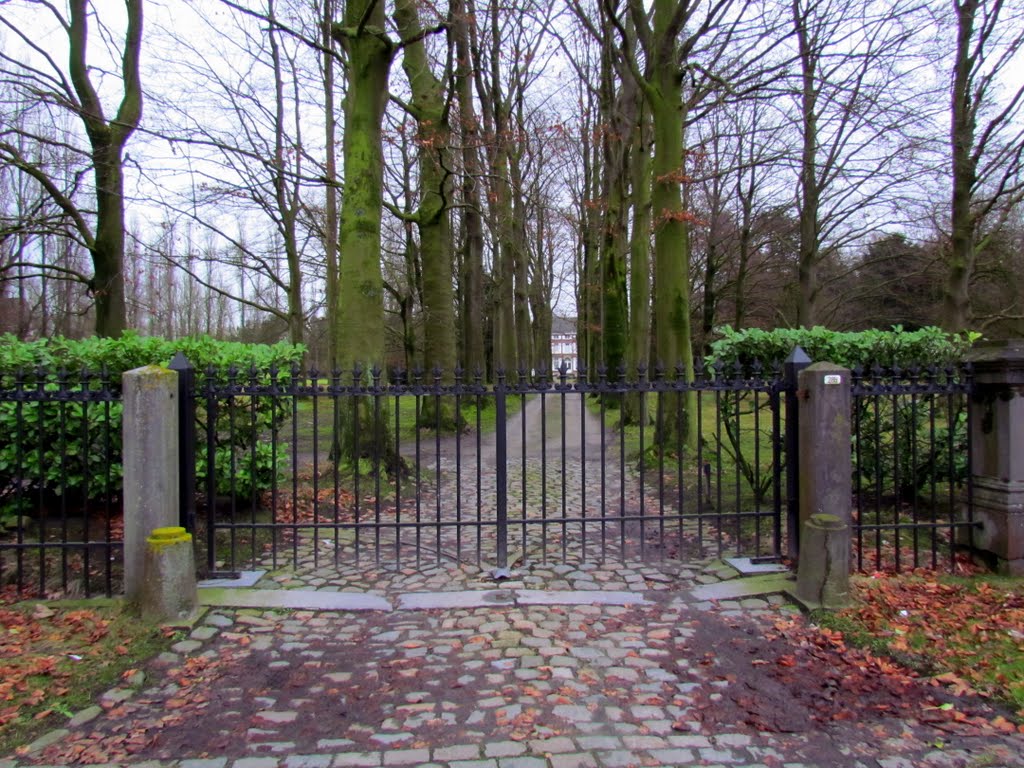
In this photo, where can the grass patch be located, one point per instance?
(405, 410)
(58, 656)
(735, 452)
(967, 633)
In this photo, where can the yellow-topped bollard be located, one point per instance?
(164, 536)
(169, 575)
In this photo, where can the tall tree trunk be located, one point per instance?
(360, 318)
(671, 250)
(108, 249)
(331, 191)
(521, 264)
(472, 283)
(286, 193)
(432, 217)
(504, 251)
(639, 260)
(107, 141)
(619, 113)
(956, 303)
(806, 315)
(540, 295)
(589, 322)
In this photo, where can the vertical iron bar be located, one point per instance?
(622, 483)
(86, 549)
(500, 458)
(458, 467)
(19, 420)
(913, 471)
(543, 475)
(756, 489)
(479, 471)
(737, 477)
(583, 473)
(294, 387)
(378, 438)
(253, 424)
(718, 471)
(314, 393)
(437, 464)
(417, 406)
(795, 362)
(63, 393)
(858, 477)
(877, 422)
(642, 475)
(565, 530)
(398, 480)
(43, 516)
(335, 390)
(357, 464)
(274, 442)
(896, 473)
(776, 406)
(211, 490)
(965, 400)
(186, 439)
(108, 462)
(522, 464)
(604, 479)
(933, 492)
(700, 466)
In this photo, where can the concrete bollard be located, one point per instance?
(169, 576)
(823, 577)
(150, 440)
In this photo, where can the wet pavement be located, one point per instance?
(562, 666)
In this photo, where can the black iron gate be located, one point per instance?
(305, 468)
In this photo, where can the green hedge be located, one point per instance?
(927, 346)
(899, 447)
(133, 351)
(61, 448)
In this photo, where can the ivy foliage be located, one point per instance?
(60, 442)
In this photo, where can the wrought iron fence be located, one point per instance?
(912, 479)
(309, 470)
(60, 484)
(353, 467)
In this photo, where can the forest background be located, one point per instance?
(405, 183)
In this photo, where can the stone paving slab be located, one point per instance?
(747, 566)
(294, 599)
(578, 597)
(463, 599)
(739, 588)
(245, 579)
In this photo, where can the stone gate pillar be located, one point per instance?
(997, 455)
(150, 451)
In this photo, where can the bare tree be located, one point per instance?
(36, 74)
(986, 140)
(860, 115)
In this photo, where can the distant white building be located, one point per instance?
(563, 344)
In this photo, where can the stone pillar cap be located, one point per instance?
(998, 362)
